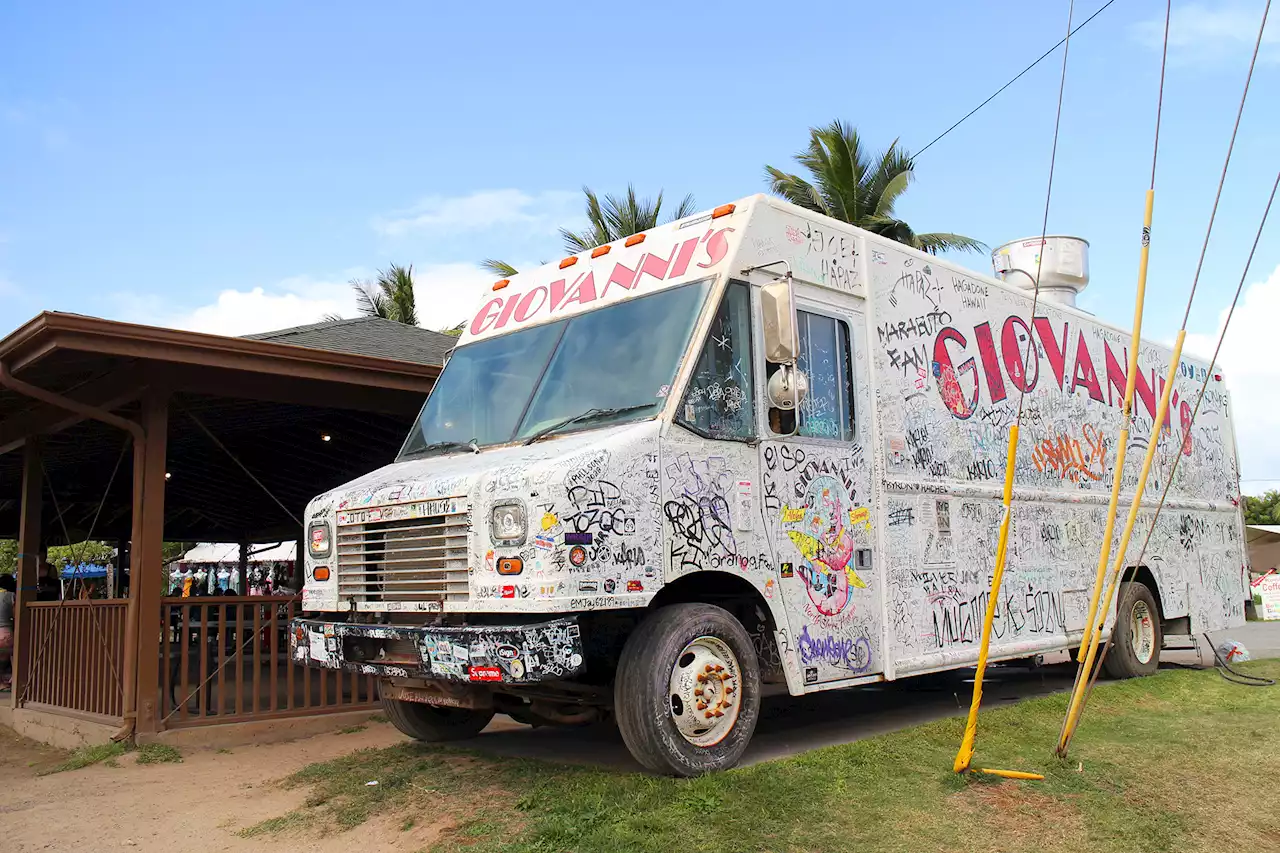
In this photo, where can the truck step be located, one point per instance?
(1180, 643)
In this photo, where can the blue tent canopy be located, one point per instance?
(82, 571)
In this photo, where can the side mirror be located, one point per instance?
(778, 306)
(787, 388)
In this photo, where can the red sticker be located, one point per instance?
(484, 673)
(508, 592)
(635, 586)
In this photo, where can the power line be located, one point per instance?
(1043, 56)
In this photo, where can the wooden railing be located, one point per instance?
(226, 659)
(77, 656)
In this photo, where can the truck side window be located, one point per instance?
(826, 360)
(720, 401)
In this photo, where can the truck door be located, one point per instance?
(816, 482)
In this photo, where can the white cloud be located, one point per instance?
(294, 301)
(1252, 374)
(1213, 31)
(539, 213)
(446, 294)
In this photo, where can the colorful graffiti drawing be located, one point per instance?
(822, 534)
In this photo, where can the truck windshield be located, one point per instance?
(623, 357)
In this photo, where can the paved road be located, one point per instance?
(790, 725)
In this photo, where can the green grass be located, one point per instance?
(350, 730)
(107, 753)
(1180, 761)
(158, 753)
(88, 755)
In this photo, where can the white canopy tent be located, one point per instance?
(215, 566)
(224, 552)
(1263, 541)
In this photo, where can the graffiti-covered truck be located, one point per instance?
(756, 450)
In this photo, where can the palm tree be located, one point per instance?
(847, 184)
(389, 296)
(611, 220)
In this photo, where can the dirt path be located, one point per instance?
(194, 806)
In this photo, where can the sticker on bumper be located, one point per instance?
(514, 654)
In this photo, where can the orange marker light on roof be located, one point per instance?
(498, 285)
(599, 250)
(568, 262)
(722, 210)
(634, 240)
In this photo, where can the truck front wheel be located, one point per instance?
(687, 694)
(433, 723)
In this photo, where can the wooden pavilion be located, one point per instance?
(143, 435)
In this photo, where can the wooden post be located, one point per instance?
(244, 568)
(28, 563)
(147, 579)
(299, 567)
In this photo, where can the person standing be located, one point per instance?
(8, 591)
(47, 586)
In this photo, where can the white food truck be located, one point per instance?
(759, 450)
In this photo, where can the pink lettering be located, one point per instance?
(1084, 372)
(717, 247)
(527, 309)
(485, 317)
(990, 366)
(1055, 352)
(945, 372)
(584, 291)
(1013, 346)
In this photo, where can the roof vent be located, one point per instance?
(1064, 266)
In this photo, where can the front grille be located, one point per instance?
(411, 559)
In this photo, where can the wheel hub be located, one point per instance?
(706, 691)
(1142, 630)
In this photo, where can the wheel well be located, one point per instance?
(1144, 575)
(741, 598)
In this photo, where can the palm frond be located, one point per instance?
(577, 241)
(616, 217)
(843, 181)
(499, 268)
(369, 302)
(793, 188)
(936, 242)
(396, 286)
(686, 207)
(890, 193)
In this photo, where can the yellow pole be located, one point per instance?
(1077, 695)
(1135, 341)
(965, 755)
(1012, 774)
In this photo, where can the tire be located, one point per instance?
(664, 663)
(1133, 652)
(432, 723)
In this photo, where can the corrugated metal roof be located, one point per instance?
(368, 336)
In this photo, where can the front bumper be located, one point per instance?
(513, 654)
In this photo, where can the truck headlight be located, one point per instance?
(319, 539)
(507, 524)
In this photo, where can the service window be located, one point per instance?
(826, 360)
(720, 401)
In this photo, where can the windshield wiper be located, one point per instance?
(584, 417)
(446, 445)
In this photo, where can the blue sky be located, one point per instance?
(228, 167)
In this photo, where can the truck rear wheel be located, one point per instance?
(687, 694)
(433, 723)
(1137, 637)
